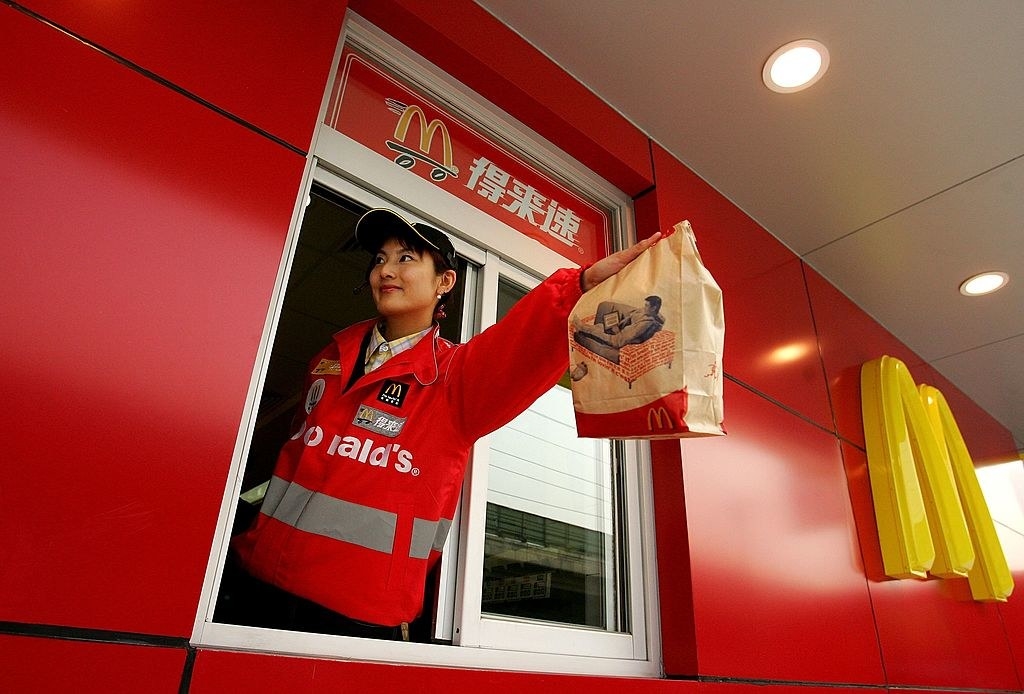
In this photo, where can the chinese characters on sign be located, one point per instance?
(495, 184)
(383, 114)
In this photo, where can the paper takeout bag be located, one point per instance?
(640, 371)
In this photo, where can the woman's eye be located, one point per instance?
(406, 257)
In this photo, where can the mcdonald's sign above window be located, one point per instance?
(932, 516)
(391, 118)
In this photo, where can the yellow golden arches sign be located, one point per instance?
(931, 514)
(446, 167)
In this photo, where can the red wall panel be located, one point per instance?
(1004, 487)
(777, 688)
(931, 632)
(142, 238)
(769, 333)
(1012, 611)
(471, 45)
(855, 462)
(675, 585)
(779, 589)
(847, 338)
(54, 666)
(264, 62)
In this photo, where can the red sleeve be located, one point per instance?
(497, 374)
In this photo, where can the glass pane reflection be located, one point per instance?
(550, 549)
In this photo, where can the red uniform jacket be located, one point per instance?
(363, 494)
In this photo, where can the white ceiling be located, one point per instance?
(897, 176)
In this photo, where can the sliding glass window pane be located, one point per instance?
(551, 547)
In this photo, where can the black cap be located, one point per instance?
(375, 226)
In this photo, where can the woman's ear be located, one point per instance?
(448, 279)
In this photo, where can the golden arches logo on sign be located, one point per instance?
(406, 156)
(659, 418)
(932, 516)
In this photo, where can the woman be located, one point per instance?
(363, 493)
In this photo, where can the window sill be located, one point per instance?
(239, 638)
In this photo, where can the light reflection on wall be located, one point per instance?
(1003, 487)
(787, 354)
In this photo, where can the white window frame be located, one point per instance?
(479, 630)
(481, 641)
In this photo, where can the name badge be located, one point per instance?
(375, 420)
(327, 367)
(393, 393)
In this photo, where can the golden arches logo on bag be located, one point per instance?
(659, 418)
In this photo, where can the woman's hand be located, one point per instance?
(611, 264)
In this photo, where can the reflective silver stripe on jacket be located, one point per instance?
(428, 535)
(372, 528)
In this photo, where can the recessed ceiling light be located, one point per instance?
(795, 66)
(985, 283)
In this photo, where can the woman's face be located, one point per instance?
(405, 283)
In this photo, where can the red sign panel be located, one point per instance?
(387, 116)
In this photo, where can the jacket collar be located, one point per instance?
(423, 360)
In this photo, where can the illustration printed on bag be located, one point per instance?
(623, 338)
